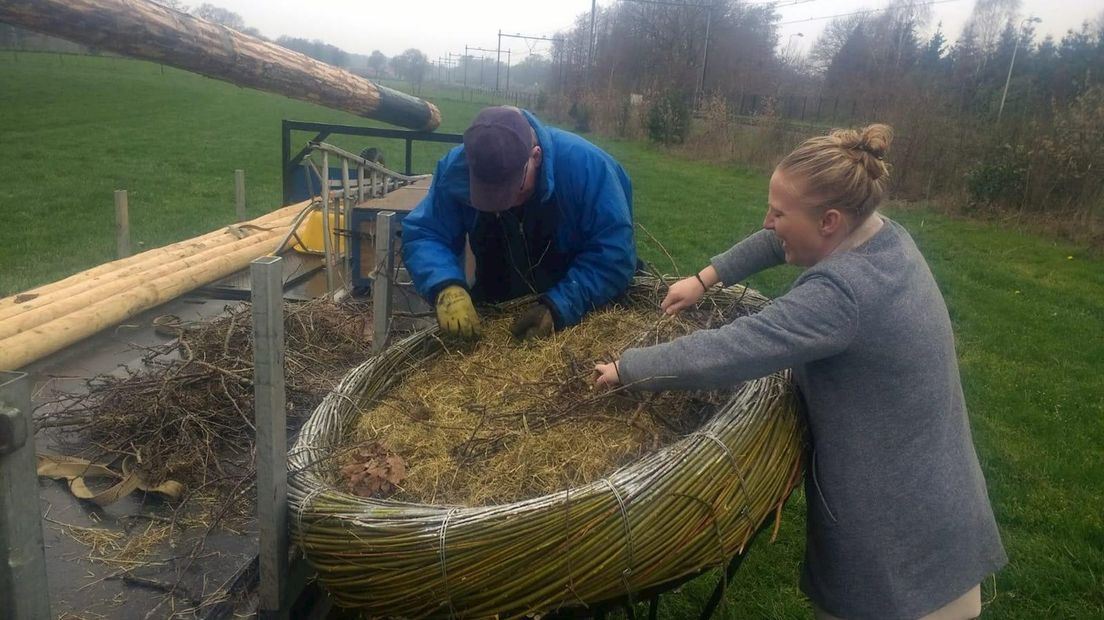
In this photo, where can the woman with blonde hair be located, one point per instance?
(899, 524)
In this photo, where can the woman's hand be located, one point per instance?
(682, 294)
(609, 375)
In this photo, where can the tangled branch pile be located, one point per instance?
(505, 421)
(187, 413)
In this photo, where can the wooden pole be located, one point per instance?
(150, 31)
(108, 283)
(122, 225)
(37, 297)
(73, 301)
(38, 342)
(239, 193)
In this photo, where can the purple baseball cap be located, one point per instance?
(497, 145)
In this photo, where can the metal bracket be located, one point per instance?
(13, 430)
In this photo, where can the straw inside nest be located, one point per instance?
(504, 421)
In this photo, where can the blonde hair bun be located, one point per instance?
(845, 169)
(867, 146)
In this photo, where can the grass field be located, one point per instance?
(1028, 311)
(79, 127)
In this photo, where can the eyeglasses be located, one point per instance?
(524, 174)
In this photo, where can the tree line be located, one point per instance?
(1028, 140)
(999, 119)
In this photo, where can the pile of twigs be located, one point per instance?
(186, 413)
(688, 506)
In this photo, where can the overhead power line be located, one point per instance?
(813, 19)
(708, 5)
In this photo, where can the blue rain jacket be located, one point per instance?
(572, 242)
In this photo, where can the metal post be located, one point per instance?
(508, 61)
(409, 159)
(705, 55)
(285, 164)
(270, 415)
(381, 283)
(1008, 80)
(239, 193)
(122, 225)
(498, 60)
(327, 232)
(1015, 47)
(343, 220)
(590, 42)
(23, 588)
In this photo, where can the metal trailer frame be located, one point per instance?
(289, 162)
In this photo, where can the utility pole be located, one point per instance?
(482, 62)
(699, 90)
(700, 94)
(1016, 46)
(590, 42)
(498, 59)
(508, 58)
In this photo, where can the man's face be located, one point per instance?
(795, 222)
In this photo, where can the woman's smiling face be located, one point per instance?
(796, 222)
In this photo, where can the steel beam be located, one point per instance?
(270, 415)
(381, 283)
(23, 590)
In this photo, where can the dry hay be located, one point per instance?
(124, 549)
(504, 421)
(187, 413)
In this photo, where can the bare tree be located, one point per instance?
(377, 62)
(411, 65)
(832, 39)
(176, 5)
(987, 20)
(219, 15)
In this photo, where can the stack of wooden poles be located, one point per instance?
(38, 322)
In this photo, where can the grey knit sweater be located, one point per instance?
(898, 519)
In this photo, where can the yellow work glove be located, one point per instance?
(456, 314)
(536, 322)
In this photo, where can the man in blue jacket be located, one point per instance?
(545, 212)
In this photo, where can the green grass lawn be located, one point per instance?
(1028, 311)
(76, 128)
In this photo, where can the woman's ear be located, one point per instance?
(538, 155)
(830, 222)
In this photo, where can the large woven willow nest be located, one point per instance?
(686, 507)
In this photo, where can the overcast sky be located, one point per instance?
(439, 27)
